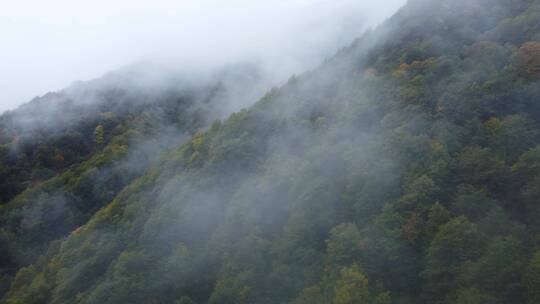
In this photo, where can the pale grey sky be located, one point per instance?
(46, 45)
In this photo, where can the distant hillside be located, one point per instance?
(406, 169)
(69, 153)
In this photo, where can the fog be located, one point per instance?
(47, 45)
(371, 176)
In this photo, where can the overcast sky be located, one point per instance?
(46, 45)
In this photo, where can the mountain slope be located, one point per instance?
(70, 153)
(406, 169)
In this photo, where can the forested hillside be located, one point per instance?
(406, 169)
(69, 153)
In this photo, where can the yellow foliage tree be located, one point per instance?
(352, 287)
(99, 134)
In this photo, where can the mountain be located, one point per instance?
(51, 133)
(69, 153)
(405, 169)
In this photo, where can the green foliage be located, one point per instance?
(99, 135)
(471, 296)
(406, 169)
(185, 300)
(351, 287)
(456, 243)
(532, 279)
(343, 246)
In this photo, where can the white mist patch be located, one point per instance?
(46, 45)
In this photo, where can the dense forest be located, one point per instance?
(405, 169)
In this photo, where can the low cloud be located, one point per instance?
(47, 46)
